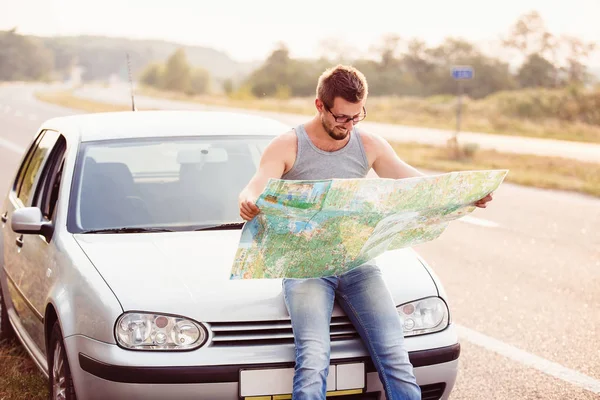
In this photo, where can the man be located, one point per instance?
(327, 147)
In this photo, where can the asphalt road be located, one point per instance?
(523, 278)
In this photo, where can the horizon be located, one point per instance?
(303, 30)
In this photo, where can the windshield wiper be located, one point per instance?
(230, 225)
(128, 230)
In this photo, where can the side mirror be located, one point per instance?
(29, 220)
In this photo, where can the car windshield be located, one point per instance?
(160, 184)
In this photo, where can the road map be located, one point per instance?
(315, 228)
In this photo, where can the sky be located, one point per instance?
(249, 30)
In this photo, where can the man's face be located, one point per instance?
(343, 110)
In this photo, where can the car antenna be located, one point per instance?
(130, 83)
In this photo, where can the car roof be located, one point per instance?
(163, 123)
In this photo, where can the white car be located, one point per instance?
(118, 236)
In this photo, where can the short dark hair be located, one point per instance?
(342, 81)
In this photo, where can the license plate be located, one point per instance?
(276, 383)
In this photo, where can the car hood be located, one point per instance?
(187, 273)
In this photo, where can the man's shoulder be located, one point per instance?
(283, 144)
(284, 140)
(370, 140)
(283, 148)
(288, 136)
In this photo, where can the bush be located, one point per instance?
(572, 104)
(243, 93)
(283, 92)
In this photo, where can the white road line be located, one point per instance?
(11, 146)
(478, 221)
(18, 113)
(541, 364)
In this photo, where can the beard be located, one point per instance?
(336, 132)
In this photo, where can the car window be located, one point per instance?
(46, 192)
(34, 166)
(175, 183)
(26, 159)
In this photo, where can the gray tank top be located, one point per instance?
(313, 163)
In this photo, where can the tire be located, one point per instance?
(6, 329)
(61, 389)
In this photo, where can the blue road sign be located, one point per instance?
(462, 72)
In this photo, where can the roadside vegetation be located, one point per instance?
(528, 170)
(19, 376)
(565, 114)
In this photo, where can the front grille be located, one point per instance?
(433, 392)
(271, 332)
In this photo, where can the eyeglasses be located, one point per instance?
(345, 119)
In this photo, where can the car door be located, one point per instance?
(26, 255)
(14, 200)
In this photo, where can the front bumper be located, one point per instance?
(102, 370)
(230, 373)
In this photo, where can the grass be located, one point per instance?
(434, 112)
(65, 99)
(527, 170)
(19, 377)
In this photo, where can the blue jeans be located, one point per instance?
(366, 300)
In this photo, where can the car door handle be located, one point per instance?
(19, 241)
(4, 217)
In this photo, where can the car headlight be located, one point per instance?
(424, 316)
(142, 331)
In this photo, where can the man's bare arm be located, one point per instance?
(272, 165)
(386, 162)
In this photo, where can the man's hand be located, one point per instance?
(482, 203)
(248, 209)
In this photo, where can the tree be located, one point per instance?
(389, 50)
(199, 82)
(228, 86)
(536, 71)
(276, 70)
(529, 35)
(491, 75)
(386, 76)
(416, 61)
(23, 58)
(178, 74)
(577, 52)
(152, 75)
